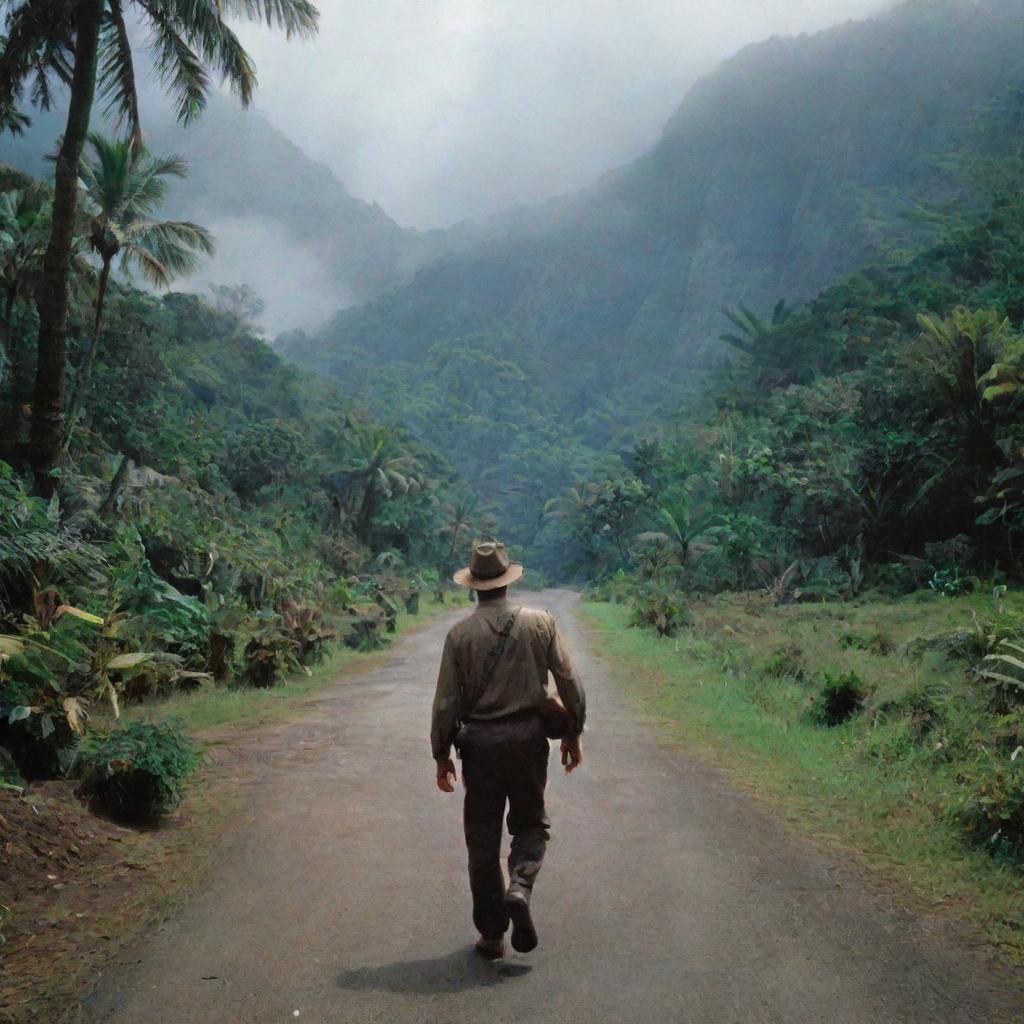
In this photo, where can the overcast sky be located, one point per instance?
(447, 109)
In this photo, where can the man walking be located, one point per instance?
(492, 703)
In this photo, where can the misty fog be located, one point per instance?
(453, 109)
(441, 112)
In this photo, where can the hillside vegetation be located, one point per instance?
(223, 518)
(584, 326)
(845, 426)
(761, 392)
(864, 722)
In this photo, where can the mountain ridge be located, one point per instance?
(734, 204)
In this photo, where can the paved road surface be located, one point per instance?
(667, 897)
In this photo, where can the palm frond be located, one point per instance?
(116, 78)
(296, 17)
(35, 43)
(164, 250)
(13, 120)
(180, 69)
(189, 37)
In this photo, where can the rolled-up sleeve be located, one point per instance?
(567, 682)
(445, 715)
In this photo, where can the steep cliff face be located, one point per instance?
(797, 160)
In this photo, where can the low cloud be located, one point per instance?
(458, 108)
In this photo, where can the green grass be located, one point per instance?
(209, 707)
(875, 785)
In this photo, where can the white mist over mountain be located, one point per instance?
(442, 110)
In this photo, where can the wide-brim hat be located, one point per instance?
(489, 568)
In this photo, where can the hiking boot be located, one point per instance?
(524, 935)
(490, 949)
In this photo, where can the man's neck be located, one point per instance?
(492, 598)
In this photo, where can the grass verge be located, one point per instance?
(213, 706)
(736, 686)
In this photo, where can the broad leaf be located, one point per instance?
(126, 661)
(76, 714)
(66, 609)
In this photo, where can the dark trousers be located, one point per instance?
(503, 761)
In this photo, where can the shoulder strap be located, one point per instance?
(494, 658)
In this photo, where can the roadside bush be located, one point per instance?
(364, 627)
(893, 579)
(388, 605)
(786, 660)
(270, 654)
(304, 624)
(613, 589)
(661, 608)
(137, 772)
(951, 582)
(839, 697)
(875, 643)
(919, 702)
(991, 811)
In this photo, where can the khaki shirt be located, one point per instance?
(518, 673)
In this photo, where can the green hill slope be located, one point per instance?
(796, 161)
(576, 327)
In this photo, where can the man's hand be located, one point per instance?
(572, 753)
(446, 776)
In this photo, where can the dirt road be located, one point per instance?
(667, 897)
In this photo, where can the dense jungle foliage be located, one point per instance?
(541, 356)
(223, 515)
(868, 438)
(178, 506)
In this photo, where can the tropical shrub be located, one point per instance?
(951, 582)
(991, 810)
(364, 626)
(787, 660)
(270, 654)
(304, 624)
(661, 607)
(838, 698)
(61, 662)
(137, 772)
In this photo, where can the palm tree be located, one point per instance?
(683, 528)
(123, 186)
(462, 518)
(24, 229)
(86, 44)
(379, 468)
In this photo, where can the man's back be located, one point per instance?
(496, 663)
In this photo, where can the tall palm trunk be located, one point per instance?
(451, 550)
(10, 380)
(6, 337)
(365, 517)
(46, 441)
(84, 378)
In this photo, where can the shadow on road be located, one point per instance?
(457, 972)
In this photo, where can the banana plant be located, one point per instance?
(51, 674)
